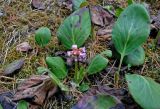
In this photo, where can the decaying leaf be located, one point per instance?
(66, 3)
(100, 16)
(104, 34)
(37, 4)
(35, 90)
(100, 98)
(156, 20)
(5, 100)
(23, 47)
(14, 67)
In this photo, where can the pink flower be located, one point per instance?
(77, 54)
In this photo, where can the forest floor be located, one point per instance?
(18, 23)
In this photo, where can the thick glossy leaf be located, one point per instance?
(1, 106)
(43, 36)
(130, 2)
(22, 105)
(57, 66)
(144, 90)
(118, 11)
(78, 77)
(97, 64)
(107, 53)
(58, 82)
(75, 29)
(100, 101)
(131, 29)
(136, 57)
(77, 3)
(84, 87)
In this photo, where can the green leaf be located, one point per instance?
(144, 90)
(1, 106)
(84, 4)
(75, 29)
(41, 70)
(107, 53)
(130, 2)
(131, 29)
(57, 66)
(22, 105)
(84, 87)
(97, 64)
(57, 81)
(43, 36)
(77, 4)
(78, 77)
(118, 12)
(136, 57)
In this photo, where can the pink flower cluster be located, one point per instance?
(78, 54)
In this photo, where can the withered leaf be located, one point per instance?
(14, 67)
(156, 20)
(35, 89)
(100, 16)
(5, 100)
(37, 4)
(91, 99)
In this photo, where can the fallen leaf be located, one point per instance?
(14, 67)
(104, 34)
(99, 101)
(35, 89)
(37, 4)
(23, 47)
(6, 102)
(104, 31)
(156, 20)
(100, 16)
(66, 3)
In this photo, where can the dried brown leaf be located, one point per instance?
(35, 89)
(100, 16)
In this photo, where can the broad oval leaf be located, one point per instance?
(57, 66)
(97, 64)
(1, 106)
(77, 3)
(144, 90)
(131, 29)
(100, 101)
(57, 81)
(107, 53)
(75, 29)
(136, 57)
(22, 105)
(43, 36)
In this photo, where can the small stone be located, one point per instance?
(23, 47)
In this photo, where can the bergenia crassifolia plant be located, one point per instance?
(130, 31)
